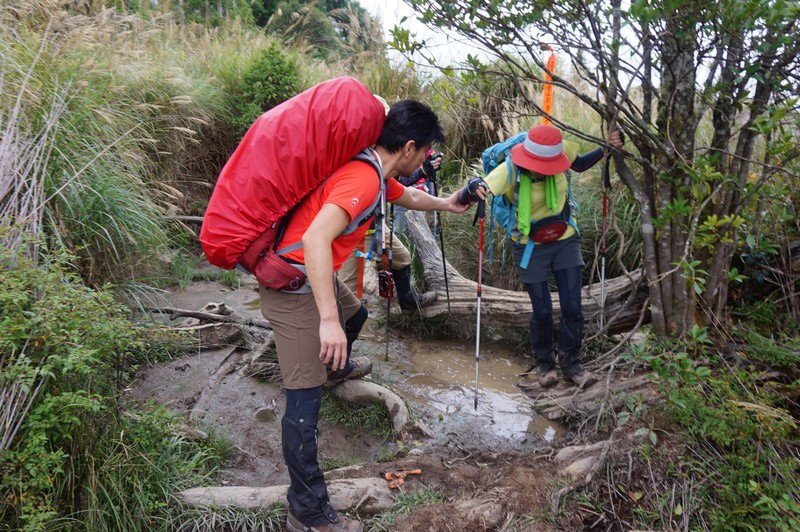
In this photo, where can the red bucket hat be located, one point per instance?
(542, 151)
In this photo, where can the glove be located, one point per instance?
(469, 194)
(427, 166)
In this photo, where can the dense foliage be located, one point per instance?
(81, 458)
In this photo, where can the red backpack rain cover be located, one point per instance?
(289, 151)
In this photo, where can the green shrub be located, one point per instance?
(770, 352)
(271, 78)
(84, 458)
(742, 436)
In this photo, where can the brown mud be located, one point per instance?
(496, 458)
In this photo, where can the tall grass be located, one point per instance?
(25, 150)
(144, 125)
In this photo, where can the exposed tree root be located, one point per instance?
(584, 480)
(571, 402)
(359, 392)
(368, 495)
(208, 316)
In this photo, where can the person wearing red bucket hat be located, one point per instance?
(530, 179)
(542, 151)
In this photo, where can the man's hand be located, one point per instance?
(432, 164)
(333, 344)
(452, 204)
(476, 189)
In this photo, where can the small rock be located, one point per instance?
(184, 367)
(482, 513)
(579, 468)
(423, 429)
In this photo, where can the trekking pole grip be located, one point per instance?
(480, 212)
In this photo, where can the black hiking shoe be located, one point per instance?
(418, 301)
(548, 379)
(356, 368)
(409, 299)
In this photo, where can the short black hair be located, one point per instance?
(410, 120)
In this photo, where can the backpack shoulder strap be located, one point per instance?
(364, 215)
(367, 157)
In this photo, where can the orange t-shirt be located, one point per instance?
(353, 187)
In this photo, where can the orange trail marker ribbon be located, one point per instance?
(547, 91)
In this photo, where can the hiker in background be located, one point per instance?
(352, 272)
(546, 240)
(315, 329)
(420, 179)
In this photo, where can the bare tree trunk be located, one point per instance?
(649, 249)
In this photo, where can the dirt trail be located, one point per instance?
(496, 458)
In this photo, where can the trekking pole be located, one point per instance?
(385, 281)
(389, 269)
(606, 178)
(480, 215)
(437, 228)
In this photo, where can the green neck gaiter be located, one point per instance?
(524, 200)
(524, 204)
(551, 193)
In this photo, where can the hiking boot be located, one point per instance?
(549, 379)
(408, 298)
(356, 368)
(342, 524)
(419, 301)
(584, 379)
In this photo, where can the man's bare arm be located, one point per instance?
(418, 200)
(327, 225)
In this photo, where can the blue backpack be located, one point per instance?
(505, 212)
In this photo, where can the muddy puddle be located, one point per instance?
(439, 381)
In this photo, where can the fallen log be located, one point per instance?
(508, 307)
(360, 392)
(368, 495)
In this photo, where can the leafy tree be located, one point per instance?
(707, 92)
